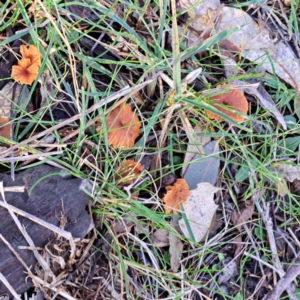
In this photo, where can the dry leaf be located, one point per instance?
(240, 217)
(267, 103)
(4, 127)
(289, 172)
(231, 101)
(176, 248)
(200, 8)
(228, 271)
(195, 147)
(256, 45)
(9, 98)
(123, 127)
(200, 210)
(203, 168)
(160, 238)
(201, 12)
(176, 195)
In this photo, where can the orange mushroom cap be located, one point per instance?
(25, 72)
(128, 171)
(235, 100)
(31, 53)
(176, 194)
(123, 127)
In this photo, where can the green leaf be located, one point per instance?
(259, 233)
(243, 172)
(238, 296)
(289, 145)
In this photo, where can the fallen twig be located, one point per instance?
(26, 157)
(285, 281)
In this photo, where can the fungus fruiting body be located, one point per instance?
(176, 195)
(123, 127)
(25, 72)
(235, 100)
(28, 67)
(128, 171)
(31, 53)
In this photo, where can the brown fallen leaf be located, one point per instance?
(4, 127)
(10, 100)
(267, 103)
(176, 248)
(200, 11)
(229, 270)
(241, 216)
(13, 96)
(238, 218)
(257, 46)
(160, 238)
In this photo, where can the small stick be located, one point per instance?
(26, 157)
(285, 281)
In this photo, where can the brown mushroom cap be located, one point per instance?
(25, 72)
(176, 194)
(128, 171)
(123, 127)
(31, 53)
(235, 100)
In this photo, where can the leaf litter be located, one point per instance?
(194, 202)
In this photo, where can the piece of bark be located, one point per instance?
(47, 196)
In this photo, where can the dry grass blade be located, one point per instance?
(39, 258)
(67, 235)
(8, 285)
(124, 91)
(265, 213)
(38, 282)
(30, 157)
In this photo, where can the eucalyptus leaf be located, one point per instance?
(204, 168)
